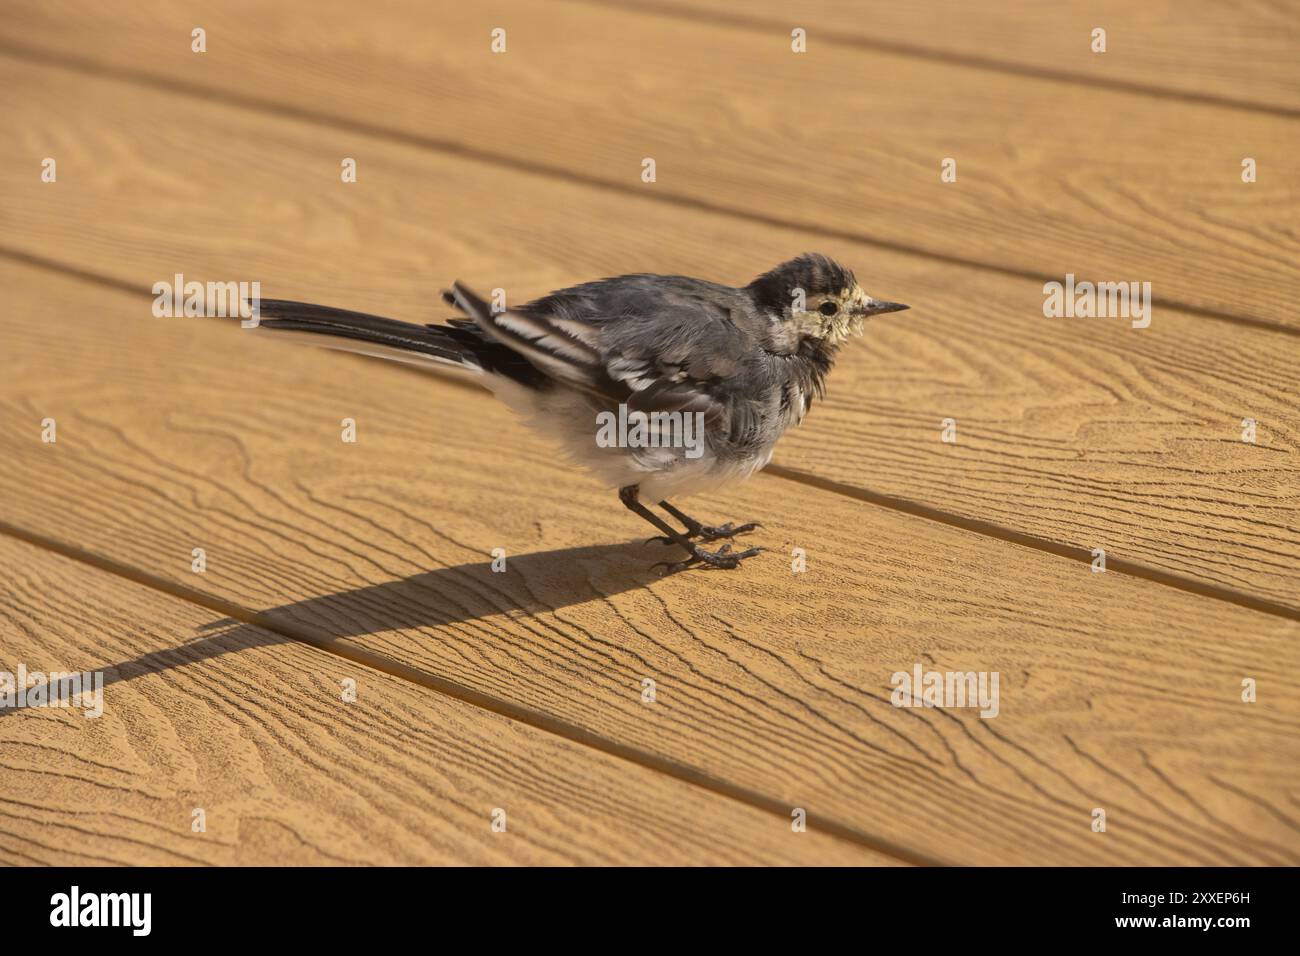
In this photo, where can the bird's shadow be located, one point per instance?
(531, 584)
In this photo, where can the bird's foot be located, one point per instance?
(723, 558)
(710, 533)
(707, 532)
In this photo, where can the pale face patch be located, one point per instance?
(833, 317)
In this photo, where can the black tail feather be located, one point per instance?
(460, 342)
(361, 327)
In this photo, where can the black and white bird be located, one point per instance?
(745, 363)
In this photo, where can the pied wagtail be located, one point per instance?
(749, 360)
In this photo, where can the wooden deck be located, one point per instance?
(331, 565)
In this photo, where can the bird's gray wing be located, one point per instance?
(562, 353)
(654, 343)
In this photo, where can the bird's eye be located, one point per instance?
(828, 308)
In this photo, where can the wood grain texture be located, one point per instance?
(1080, 433)
(1053, 177)
(1242, 52)
(1115, 692)
(200, 712)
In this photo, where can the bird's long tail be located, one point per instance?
(439, 348)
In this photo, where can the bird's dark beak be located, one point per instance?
(876, 307)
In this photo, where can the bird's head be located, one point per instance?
(817, 299)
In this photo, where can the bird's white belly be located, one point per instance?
(568, 419)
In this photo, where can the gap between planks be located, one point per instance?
(539, 720)
(988, 529)
(451, 148)
(766, 25)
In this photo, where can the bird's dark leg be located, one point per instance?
(722, 558)
(707, 532)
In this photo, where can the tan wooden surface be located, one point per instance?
(771, 686)
(286, 771)
(1120, 691)
(1106, 436)
(1053, 177)
(1240, 52)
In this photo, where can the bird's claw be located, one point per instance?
(724, 558)
(661, 538)
(710, 533)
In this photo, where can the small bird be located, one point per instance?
(659, 353)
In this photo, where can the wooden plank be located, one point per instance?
(233, 719)
(1078, 433)
(1053, 178)
(1115, 693)
(1241, 52)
